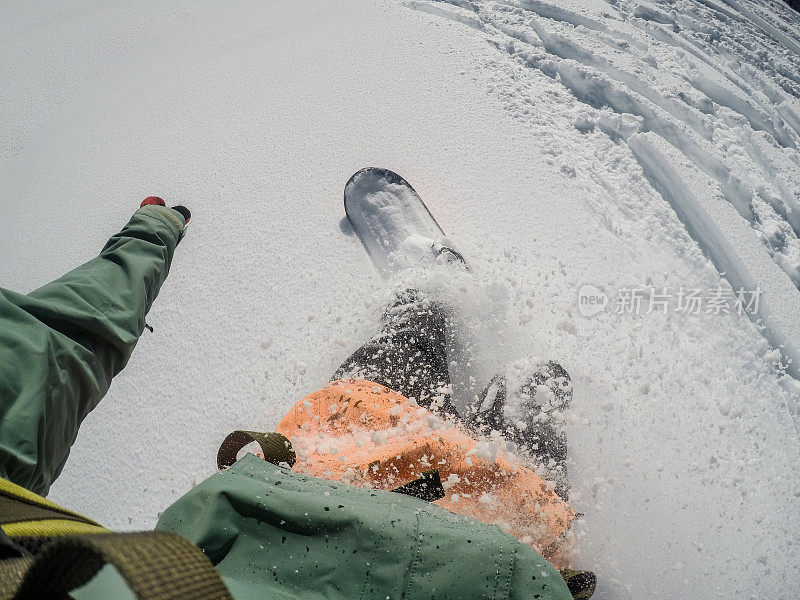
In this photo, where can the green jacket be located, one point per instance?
(61, 344)
(270, 532)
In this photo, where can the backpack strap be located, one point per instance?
(156, 565)
(23, 513)
(427, 486)
(276, 447)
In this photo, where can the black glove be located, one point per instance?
(184, 211)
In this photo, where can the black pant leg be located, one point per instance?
(409, 355)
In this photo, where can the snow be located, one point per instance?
(565, 147)
(485, 450)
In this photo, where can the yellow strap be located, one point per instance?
(12, 490)
(50, 528)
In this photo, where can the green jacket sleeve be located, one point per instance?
(61, 344)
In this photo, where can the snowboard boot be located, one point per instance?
(525, 404)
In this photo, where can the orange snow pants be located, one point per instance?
(362, 433)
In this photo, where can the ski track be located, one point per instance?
(630, 58)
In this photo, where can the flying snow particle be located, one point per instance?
(485, 450)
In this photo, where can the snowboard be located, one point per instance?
(393, 223)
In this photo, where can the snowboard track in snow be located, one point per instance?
(709, 92)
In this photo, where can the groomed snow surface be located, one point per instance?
(627, 149)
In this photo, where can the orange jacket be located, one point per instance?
(362, 433)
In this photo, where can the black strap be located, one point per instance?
(276, 447)
(11, 549)
(427, 487)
